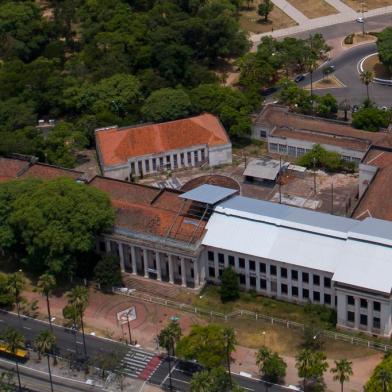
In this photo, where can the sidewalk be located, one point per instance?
(346, 15)
(291, 11)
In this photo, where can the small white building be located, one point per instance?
(151, 148)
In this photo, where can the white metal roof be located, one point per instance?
(208, 194)
(265, 169)
(358, 253)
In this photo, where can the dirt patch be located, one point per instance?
(250, 20)
(326, 83)
(373, 64)
(313, 8)
(356, 5)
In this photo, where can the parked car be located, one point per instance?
(354, 108)
(298, 78)
(360, 20)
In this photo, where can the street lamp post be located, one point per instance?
(129, 330)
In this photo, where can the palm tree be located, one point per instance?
(46, 283)
(45, 343)
(384, 378)
(230, 342)
(16, 283)
(168, 338)
(366, 79)
(14, 340)
(78, 298)
(342, 371)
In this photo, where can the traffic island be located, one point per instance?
(373, 64)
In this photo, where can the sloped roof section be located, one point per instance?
(117, 145)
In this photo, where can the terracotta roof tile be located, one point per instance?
(48, 172)
(117, 145)
(11, 168)
(376, 202)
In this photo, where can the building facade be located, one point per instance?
(137, 151)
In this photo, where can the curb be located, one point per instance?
(384, 82)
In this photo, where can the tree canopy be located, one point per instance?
(88, 65)
(384, 46)
(371, 119)
(381, 379)
(51, 225)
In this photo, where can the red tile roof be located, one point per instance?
(11, 168)
(117, 145)
(148, 210)
(48, 172)
(376, 202)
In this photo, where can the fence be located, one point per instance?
(250, 315)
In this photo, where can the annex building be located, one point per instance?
(284, 252)
(292, 134)
(140, 150)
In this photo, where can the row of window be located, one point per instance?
(364, 303)
(163, 163)
(273, 269)
(363, 320)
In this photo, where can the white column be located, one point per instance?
(179, 160)
(216, 266)
(196, 273)
(121, 255)
(357, 312)
(133, 256)
(171, 161)
(158, 260)
(192, 158)
(247, 277)
(183, 273)
(108, 250)
(145, 259)
(370, 315)
(171, 274)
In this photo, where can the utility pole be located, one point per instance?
(129, 329)
(363, 17)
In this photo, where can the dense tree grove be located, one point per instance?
(95, 63)
(51, 225)
(384, 46)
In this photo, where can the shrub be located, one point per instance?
(371, 119)
(230, 288)
(349, 39)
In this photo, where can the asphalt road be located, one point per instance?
(71, 342)
(346, 71)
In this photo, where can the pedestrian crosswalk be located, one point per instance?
(139, 363)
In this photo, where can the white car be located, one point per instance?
(360, 20)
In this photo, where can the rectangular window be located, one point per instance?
(252, 265)
(282, 149)
(241, 262)
(139, 165)
(263, 133)
(252, 281)
(305, 293)
(273, 147)
(168, 159)
(132, 167)
(316, 280)
(316, 296)
(305, 277)
(327, 299)
(283, 272)
(376, 306)
(147, 162)
(376, 322)
(182, 158)
(242, 279)
(263, 284)
(196, 156)
(211, 256)
(364, 303)
(231, 261)
(211, 272)
(294, 291)
(350, 300)
(220, 273)
(154, 164)
(161, 162)
(283, 288)
(221, 258)
(300, 151)
(203, 155)
(189, 156)
(294, 275)
(327, 282)
(175, 161)
(292, 151)
(346, 158)
(273, 270)
(262, 268)
(351, 317)
(363, 320)
(102, 246)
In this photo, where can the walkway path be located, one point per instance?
(346, 15)
(291, 11)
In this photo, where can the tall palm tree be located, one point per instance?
(14, 340)
(229, 343)
(342, 371)
(366, 79)
(304, 366)
(46, 283)
(44, 344)
(78, 298)
(384, 377)
(168, 338)
(16, 283)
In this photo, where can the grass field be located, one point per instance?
(356, 5)
(250, 21)
(313, 8)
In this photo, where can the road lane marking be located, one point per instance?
(79, 342)
(27, 328)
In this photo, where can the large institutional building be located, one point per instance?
(125, 153)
